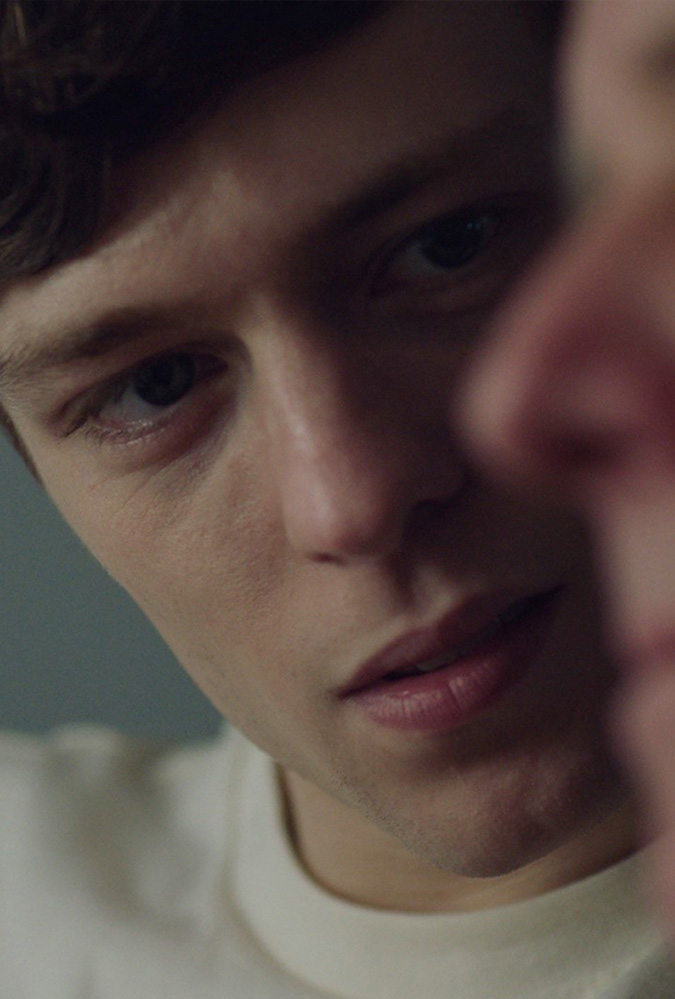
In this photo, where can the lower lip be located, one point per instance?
(454, 694)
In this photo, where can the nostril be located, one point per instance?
(432, 513)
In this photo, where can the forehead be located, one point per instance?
(290, 149)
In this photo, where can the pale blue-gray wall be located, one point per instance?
(73, 647)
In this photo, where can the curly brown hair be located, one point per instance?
(85, 83)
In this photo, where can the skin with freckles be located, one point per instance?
(581, 373)
(238, 397)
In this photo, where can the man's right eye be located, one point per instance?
(447, 246)
(458, 260)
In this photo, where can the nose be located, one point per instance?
(576, 393)
(361, 461)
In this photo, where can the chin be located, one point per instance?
(515, 821)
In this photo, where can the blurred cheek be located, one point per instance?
(633, 531)
(645, 736)
(199, 561)
(617, 87)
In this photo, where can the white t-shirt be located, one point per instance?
(128, 871)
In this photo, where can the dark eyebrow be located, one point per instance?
(87, 342)
(463, 151)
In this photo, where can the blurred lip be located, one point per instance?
(449, 637)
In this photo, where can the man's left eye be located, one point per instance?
(455, 243)
(444, 247)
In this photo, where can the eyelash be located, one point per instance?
(89, 419)
(501, 219)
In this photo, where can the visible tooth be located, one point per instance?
(432, 664)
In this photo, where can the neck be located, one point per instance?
(352, 858)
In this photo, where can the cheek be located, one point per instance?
(663, 256)
(622, 113)
(198, 560)
(209, 579)
(635, 536)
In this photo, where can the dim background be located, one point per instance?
(73, 647)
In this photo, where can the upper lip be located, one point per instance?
(446, 635)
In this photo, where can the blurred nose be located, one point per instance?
(577, 390)
(360, 458)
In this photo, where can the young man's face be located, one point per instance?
(239, 397)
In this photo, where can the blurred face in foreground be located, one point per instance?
(238, 396)
(577, 392)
